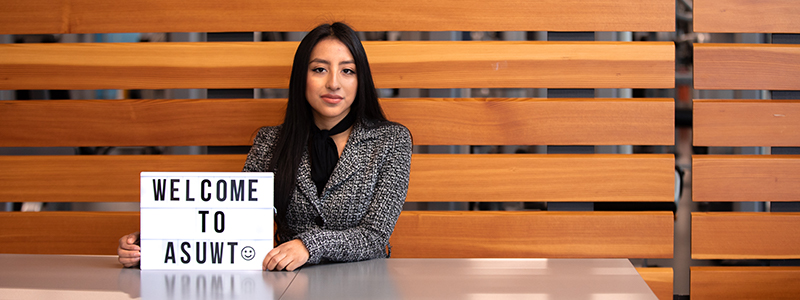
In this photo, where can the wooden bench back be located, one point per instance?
(739, 178)
(404, 64)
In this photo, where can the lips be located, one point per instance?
(331, 98)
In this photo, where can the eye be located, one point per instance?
(318, 70)
(349, 71)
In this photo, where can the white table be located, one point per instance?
(101, 277)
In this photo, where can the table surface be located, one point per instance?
(102, 277)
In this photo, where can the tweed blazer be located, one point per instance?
(359, 206)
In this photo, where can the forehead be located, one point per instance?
(331, 50)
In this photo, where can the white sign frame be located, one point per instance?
(205, 220)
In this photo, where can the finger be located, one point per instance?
(284, 263)
(266, 263)
(273, 263)
(127, 243)
(268, 257)
(129, 261)
(130, 247)
(292, 266)
(129, 255)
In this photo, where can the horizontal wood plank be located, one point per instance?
(95, 16)
(746, 66)
(746, 123)
(452, 177)
(100, 123)
(745, 178)
(96, 178)
(472, 121)
(740, 235)
(417, 234)
(536, 177)
(660, 281)
(394, 65)
(95, 233)
(479, 121)
(454, 234)
(741, 16)
(745, 283)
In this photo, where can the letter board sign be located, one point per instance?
(205, 220)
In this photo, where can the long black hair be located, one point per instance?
(296, 128)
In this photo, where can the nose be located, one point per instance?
(333, 81)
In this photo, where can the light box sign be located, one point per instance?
(205, 220)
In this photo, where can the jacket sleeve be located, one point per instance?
(370, 237)
(260, 153)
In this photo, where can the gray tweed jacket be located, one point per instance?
(362, 200)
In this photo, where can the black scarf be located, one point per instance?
(324, 154)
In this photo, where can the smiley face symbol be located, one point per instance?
(248, 253)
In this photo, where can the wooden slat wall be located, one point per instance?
(746, 67)
(422, 64)
(96, 178)
(96, 16)
(533, 234)
(746, 16)
(394, 65)
(418, 234)
(746, 123)
(559, 178)
(476, 121)
(660, 280)
(745, 235)
(65, 232)
(745, 178)
(433, 177)
(745, 283)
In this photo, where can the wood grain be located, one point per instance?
(95, 178)
(94, 233)
(100, 123)
(454, 234)
(745, 282)
(518, 177)
(740, 235)
(740, 16)
(745, 178)
(659, 280)
(94, 16)
(525, 234)
(452, 177)
(472, 121)
(478, 121)
(746, 66)
(746, 123)
(393, 64)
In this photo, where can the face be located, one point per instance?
(331, 83)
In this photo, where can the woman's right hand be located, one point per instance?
(128, 251)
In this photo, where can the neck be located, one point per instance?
(335, 125)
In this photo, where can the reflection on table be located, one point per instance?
(471, 279)
(101, 277)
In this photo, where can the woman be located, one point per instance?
(341, 169)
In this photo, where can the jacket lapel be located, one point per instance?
(304, 182)
(353, 157)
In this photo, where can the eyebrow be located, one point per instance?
(319, 60)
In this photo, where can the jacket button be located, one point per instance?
(319, 221)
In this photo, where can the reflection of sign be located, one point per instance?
(206, 285)
(205, 221)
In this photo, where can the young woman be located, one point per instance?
(341, 168)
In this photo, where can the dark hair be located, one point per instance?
(296, 128)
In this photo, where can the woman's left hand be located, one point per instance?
(287, 256)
